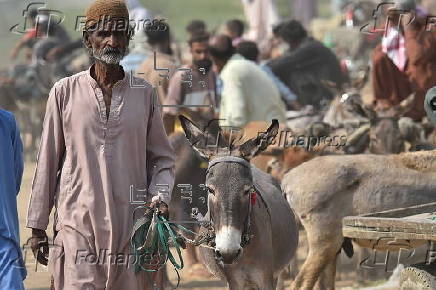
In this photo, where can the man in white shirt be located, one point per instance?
(248, 93)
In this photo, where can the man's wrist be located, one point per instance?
(38, 233)
(161, 198)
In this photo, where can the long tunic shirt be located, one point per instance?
(12, 270)
(96, 170)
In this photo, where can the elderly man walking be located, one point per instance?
(247, 92)
(103, 142)
(12, 270)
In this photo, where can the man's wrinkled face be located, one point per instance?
(108, 44)
(200, 55)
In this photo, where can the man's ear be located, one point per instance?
(206, 144)
(256, 145)
(85, 39)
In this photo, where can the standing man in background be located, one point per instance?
(165, 63)
(261, 16)
(12, 268)
(194, 88)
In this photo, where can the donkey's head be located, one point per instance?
(345, 108)
(385, 133)
(229, 183)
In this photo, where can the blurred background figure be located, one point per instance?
(160, 63)
(305, 11)
(28, 39)
(138, 13)
(193, 85)
(138, 47)
(403, 63)
(250, 51)
(41, 27)
(247, 93)
(235, 29)
(305, 66)
(261, 16)
(195, 27)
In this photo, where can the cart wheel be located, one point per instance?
(418, 277)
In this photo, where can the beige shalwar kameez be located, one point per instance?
(94, 169)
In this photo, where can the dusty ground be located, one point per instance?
(39, 279)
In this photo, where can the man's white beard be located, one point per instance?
(107, 56)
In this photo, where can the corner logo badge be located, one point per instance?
(44, 14)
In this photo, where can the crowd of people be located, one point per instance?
(101, 135)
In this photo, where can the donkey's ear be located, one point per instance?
(256, 145)
(203, 143)
(405, 105)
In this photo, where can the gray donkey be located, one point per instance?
(325, 189)
(256, 235)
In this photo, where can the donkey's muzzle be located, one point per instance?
(228, 257)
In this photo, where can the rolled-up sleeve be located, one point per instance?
(160, 158)
(50, 155)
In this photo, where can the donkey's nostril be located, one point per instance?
(218, 254)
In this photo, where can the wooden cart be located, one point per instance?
(390, 230)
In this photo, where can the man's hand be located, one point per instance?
(162, 207)
(40, 240)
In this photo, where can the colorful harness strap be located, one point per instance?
(151, 238)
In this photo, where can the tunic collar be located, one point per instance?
(119, 84)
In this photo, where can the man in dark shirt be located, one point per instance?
(307, 63)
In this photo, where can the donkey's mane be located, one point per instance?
(233, 138)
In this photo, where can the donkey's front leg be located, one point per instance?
(269, 284)
(236, 282)
(263, 280)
